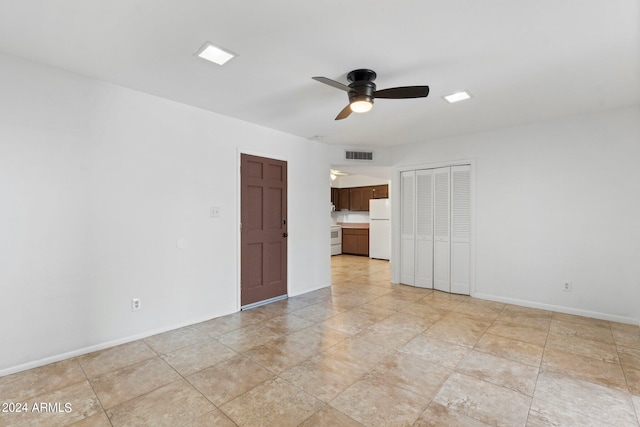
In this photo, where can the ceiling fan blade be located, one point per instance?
(333, 83)
(344, 113)
(402, 92)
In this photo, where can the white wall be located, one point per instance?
(555, 201)
(350, 216)
(346, 181)
(97, 185)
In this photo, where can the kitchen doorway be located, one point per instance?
(353, 189)
(263, 240)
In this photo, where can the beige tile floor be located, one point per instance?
(364, 352)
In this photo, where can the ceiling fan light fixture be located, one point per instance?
(215, 54)
(362, 91)
(361, 106)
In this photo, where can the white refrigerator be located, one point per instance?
(379, 228)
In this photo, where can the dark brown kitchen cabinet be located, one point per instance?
(356, 199)
(343, 199)
(334, 197)
(381, 191)
(359, 198)
(355, 241)
(368, 195)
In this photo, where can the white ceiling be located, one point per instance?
(524, 61)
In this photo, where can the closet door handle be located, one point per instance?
(285, 235)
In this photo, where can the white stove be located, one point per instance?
(336, 240)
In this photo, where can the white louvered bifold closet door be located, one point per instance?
(460, 229)
(424, 229)
(407, 227)
(441, 230)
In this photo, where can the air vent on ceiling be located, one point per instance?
(358, 155)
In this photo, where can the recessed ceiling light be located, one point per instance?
(458, 96)
(216, 54)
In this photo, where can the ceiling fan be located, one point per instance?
(362, 91)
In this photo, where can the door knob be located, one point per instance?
(285, 235)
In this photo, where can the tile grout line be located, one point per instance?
(453, 370)
(624, 371)
(182, 378)
(539, 368)
(104, 411)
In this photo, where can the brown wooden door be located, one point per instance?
(263, 213)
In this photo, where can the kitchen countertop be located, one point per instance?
(354, 224)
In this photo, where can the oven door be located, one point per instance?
(336, 240)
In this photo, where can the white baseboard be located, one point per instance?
(100, 346)
(560, 309)
(119, 341)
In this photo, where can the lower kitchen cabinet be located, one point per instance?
(355, 241)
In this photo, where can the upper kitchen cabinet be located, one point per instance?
(381, 191)
(353, 191)
(359, 198)
(343, 199)
(334, 196)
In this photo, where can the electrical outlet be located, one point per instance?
(136, 304)
(566, 286)
(214, 212)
